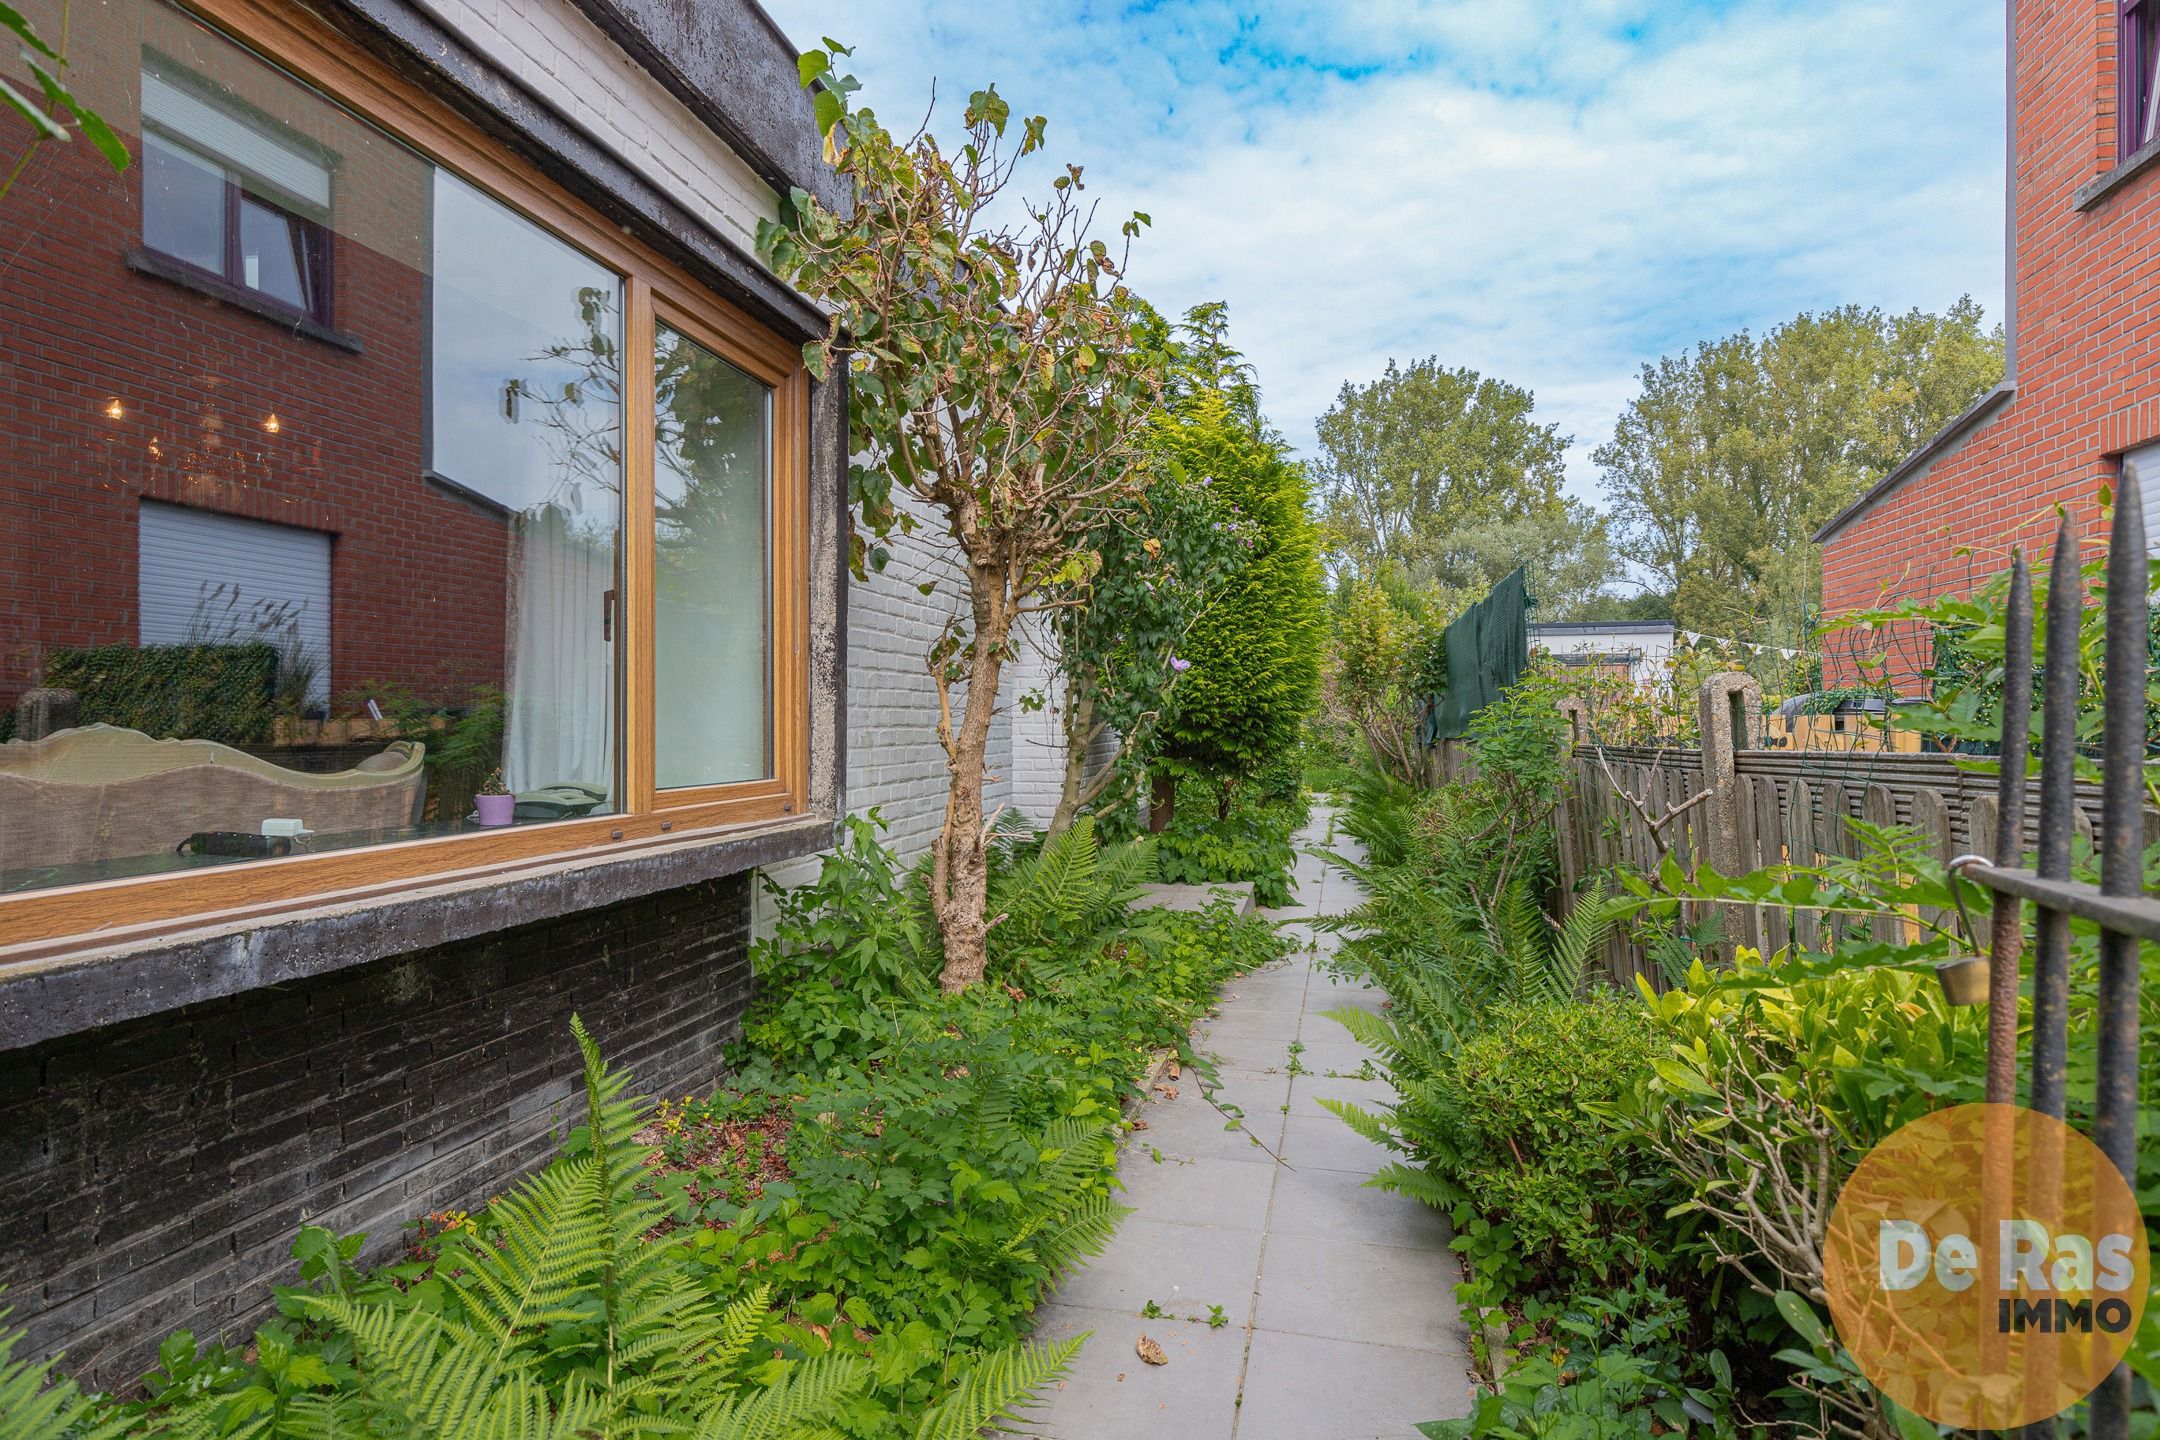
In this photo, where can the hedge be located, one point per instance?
(225, 693)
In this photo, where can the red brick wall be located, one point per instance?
(2088, 346)
(417, 587)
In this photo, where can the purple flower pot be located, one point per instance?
(496, 809)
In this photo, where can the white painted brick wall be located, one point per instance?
(894, 761)
(571, 63)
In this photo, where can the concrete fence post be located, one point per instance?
(1730, 711)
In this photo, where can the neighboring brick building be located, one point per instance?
(2081, 394)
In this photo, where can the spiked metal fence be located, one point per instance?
(2125, 915)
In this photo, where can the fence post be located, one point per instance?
(1729, 708)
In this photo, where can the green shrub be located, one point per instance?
(1571, 1192)
(1595, 1368)
(225, 693)
(1255, 653)
(1252, 840)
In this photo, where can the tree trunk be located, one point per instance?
(1162, 804)
(1079, 727)
(960, 863)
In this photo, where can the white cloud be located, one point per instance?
(1554, 195)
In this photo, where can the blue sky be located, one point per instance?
(1551, 191)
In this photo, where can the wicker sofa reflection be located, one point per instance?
(103, 793)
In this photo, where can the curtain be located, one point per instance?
(561, 722)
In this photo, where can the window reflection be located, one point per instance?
(712, 649)
(276, 587)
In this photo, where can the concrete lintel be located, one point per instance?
(40, 1000)
(416, 43)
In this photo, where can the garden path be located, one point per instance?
(1337, 1301)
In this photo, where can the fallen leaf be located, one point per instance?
(1151, 1352)
(1139, 1124)
(1173, 1070)
(1168, 1092)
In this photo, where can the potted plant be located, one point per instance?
(494, 800)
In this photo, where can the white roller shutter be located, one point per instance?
(215, 578)
(245, 147)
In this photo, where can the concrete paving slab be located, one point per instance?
(1110, 1394)
(1197, 897)
(1245, 1051)
(1182, 1268)
(1300, 1387)
(1348, 1290)
(1354, 1330)
(1325, 1142)
(1339, 1205)
(1307, 1091)
(1329, 1047)
(1274, 988)
(1251, 1019)
(1201, 1190)
(1191, 1128)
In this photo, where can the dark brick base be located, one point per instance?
(153, 1174)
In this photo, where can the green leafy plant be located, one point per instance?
(48, 114)
(1597, 1369)
(1234, 831)
(568, 1310)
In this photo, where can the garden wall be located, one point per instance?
(153, 1174)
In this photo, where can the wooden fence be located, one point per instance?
(1739, 807)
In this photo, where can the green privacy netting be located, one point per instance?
(1487, 649)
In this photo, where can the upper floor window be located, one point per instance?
(226, 196)
(2137, 50)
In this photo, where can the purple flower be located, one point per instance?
(1179, 665)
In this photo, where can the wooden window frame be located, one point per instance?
(2137, 49)
(42, 924)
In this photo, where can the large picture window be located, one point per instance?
(504, 564)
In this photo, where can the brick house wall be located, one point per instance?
(154, 1173)
(123, 386)
(2084, 279)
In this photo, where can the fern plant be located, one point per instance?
(34, 1405)
(563, 1317)
(1059, 907)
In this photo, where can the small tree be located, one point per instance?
(997, 382)
(1387, 661)
(1166, 555)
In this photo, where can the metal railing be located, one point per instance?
(2118, 904)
